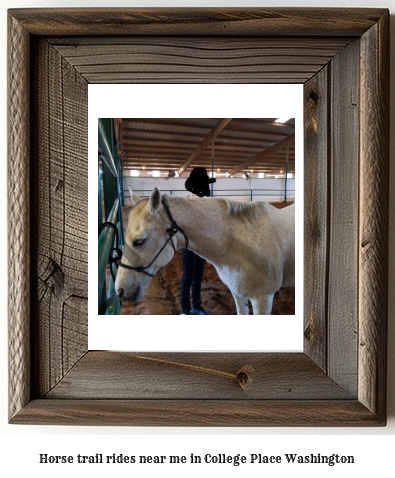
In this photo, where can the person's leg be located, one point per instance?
(188, 268)
(197, 282)
(197, 307)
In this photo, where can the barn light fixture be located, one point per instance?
(282, 120)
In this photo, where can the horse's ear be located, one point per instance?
(154, 200)
(133, 197)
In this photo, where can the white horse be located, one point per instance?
(251, 245)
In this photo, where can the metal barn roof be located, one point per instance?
(237, 144)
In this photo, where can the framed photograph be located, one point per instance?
(151, 145)
(341, 57)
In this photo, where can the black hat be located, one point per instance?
(198, 182)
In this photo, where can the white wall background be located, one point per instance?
(233, 188)
(22, 444)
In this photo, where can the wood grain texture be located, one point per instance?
(51, 275)
(373, 227)
(202, 413)
(18, 217)
(198, 21)
(343, 225)
(316, 214)
(283, 376)
(210, 59)
(60, 251)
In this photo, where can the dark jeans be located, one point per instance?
(192, 275)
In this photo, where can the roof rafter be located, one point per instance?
(203, 145)
(264, 154)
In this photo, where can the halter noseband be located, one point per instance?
(171, 231)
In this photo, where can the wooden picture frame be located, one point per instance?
(342, 57)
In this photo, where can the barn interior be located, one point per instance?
(251, 158)
(232, 146)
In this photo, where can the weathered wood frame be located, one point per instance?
(340, 379)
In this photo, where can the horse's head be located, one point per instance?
(145, 236)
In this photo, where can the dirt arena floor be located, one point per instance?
(162, 296)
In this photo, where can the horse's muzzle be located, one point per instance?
(133, 298)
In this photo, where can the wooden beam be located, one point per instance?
(203, 145)
(264, 154)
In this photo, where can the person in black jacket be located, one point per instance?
(192, 264)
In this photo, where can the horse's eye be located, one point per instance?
(138, 242)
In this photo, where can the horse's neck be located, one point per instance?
(204, 223)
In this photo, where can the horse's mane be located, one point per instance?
(248, 210)
(242, 210)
